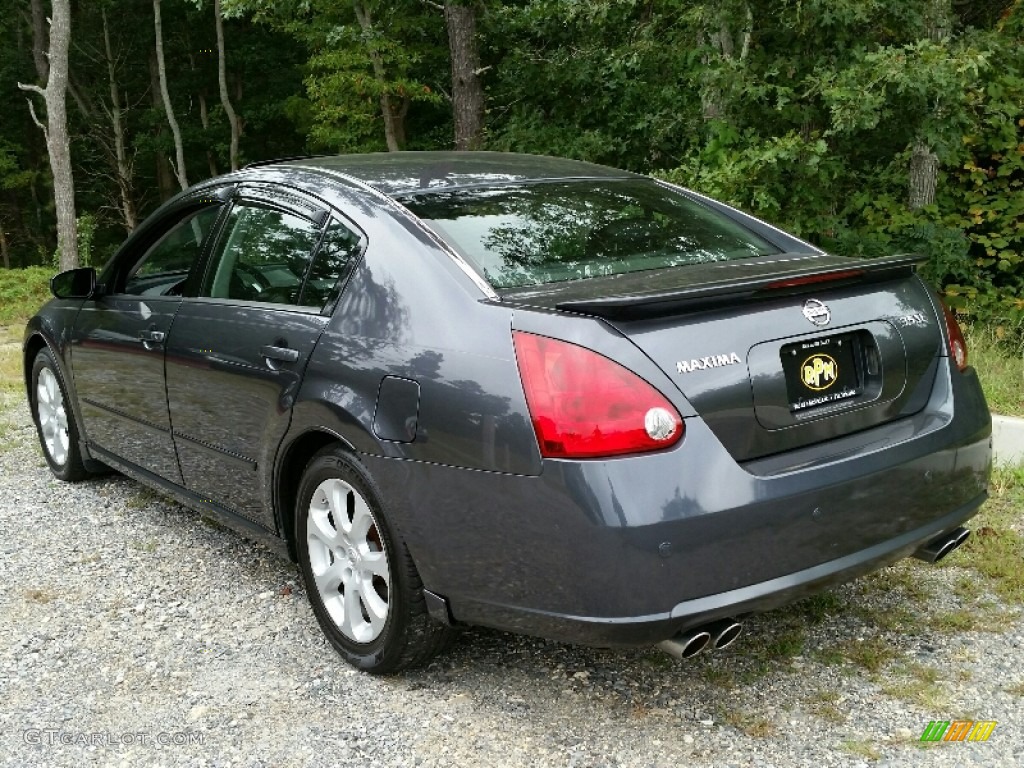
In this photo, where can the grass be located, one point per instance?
(751, 725)
(825, 704)
(22, 293)
(871, 654)
(149, 545)
(141, 498)
(859, 748)
(1000, 368)
(39, 596)
(11, 377)
(996, 548)
(917, 684)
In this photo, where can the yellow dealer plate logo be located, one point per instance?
(819, 372)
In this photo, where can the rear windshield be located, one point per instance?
(548, 232)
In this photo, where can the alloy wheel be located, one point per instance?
(52, 415)
(347, 558)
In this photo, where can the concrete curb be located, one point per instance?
(1007, 439)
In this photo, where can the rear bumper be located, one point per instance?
(632, 551)
(754, 598)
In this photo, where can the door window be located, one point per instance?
(333, 262)
(263, 255)
(267, 254)
(163, 268)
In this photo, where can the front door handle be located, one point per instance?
(283, 354)
(151, 339)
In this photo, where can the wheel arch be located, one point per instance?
(33, 345)
(291, 463)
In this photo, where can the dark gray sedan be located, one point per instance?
(522, 392)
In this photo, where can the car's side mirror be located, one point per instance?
(74, 284)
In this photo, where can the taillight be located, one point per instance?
(584, 405)
(957, 345)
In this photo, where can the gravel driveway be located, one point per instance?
(134, 632)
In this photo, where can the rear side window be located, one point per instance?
(546, 232)
(334, 261)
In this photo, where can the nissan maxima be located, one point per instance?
(521, 392)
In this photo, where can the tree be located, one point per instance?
(122, 166)
(394, 106)
(924, 163)
(56, 131)
(222, 80)
(161, 70)
(467, 89)
(725, 34)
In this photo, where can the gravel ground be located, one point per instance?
(134, 632)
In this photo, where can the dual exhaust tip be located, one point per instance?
(942, 545)
(717, 635)
(723, 633)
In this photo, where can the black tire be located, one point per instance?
(408, 636)
(65, 461)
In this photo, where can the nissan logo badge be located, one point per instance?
(817, 312)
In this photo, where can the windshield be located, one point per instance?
(547, 232)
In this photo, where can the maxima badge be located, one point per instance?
(817, 312)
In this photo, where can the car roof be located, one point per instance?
(403, 173)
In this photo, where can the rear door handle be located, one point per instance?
(284, 354)
(151, 339)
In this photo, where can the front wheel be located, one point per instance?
(361, 581)
(55, 422)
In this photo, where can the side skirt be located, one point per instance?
(205, 507)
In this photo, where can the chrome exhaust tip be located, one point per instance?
(942, 545)
(686, 644)
(724, 633)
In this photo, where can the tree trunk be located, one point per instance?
(5, 251)
(222, 79)
(39, 41)
(164, 175)
(924, 163)
(124, 171)
(467, 91)
(924, 175)
(179, 148)
(204, 121)
(392, 110)
(728, 46)
(938, 20)
(56, 132)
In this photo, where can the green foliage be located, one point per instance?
(22, 293)
(12, 175)
(999, 361)
(805, 112)
(599, 81)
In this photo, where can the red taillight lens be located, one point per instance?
(584, 405)
(957, 345)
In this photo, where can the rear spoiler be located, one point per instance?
(771, 284)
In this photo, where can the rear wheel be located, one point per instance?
(361, 581)
(55, 423)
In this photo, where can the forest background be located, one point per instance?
(865, 126)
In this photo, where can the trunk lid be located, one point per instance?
(777, 353)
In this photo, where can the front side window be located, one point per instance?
(263, 255)
(165, 266)
(534, 233)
